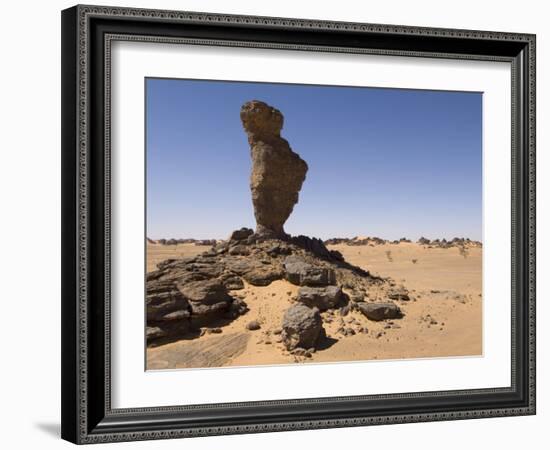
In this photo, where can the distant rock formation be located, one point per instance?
(374, 241)
(207, 242)
(277, 172)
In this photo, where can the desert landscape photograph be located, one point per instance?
(298, 224)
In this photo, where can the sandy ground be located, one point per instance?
(158, 252)
(444, 317)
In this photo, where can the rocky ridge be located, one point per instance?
(186, 295)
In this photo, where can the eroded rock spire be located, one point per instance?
(277, 172)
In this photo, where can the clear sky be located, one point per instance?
(382, 162)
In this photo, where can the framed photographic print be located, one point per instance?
(279, 224)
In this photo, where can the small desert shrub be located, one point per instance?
(388, 255)
(414, 261)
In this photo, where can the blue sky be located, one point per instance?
(382, 162)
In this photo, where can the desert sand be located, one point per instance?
(443, 317)
(158, 252)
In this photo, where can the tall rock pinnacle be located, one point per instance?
(277, 172)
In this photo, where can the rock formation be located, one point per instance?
(277, 172)
(189, 297)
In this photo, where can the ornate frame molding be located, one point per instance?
(80, 423)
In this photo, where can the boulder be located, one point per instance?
(380, 311)
(302, 273)
(277, 172)
(301, 327)
(322, 298)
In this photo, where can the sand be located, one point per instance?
(443, 317)
(158, 252)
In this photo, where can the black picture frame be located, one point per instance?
(87, 416)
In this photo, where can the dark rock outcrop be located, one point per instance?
(302, 327)
(277, 172)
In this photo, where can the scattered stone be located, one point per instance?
(301, 352)
(253, 325)
(345, 310)
(216, 330)
(399, 293)
(301, 327)
(380, 311)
